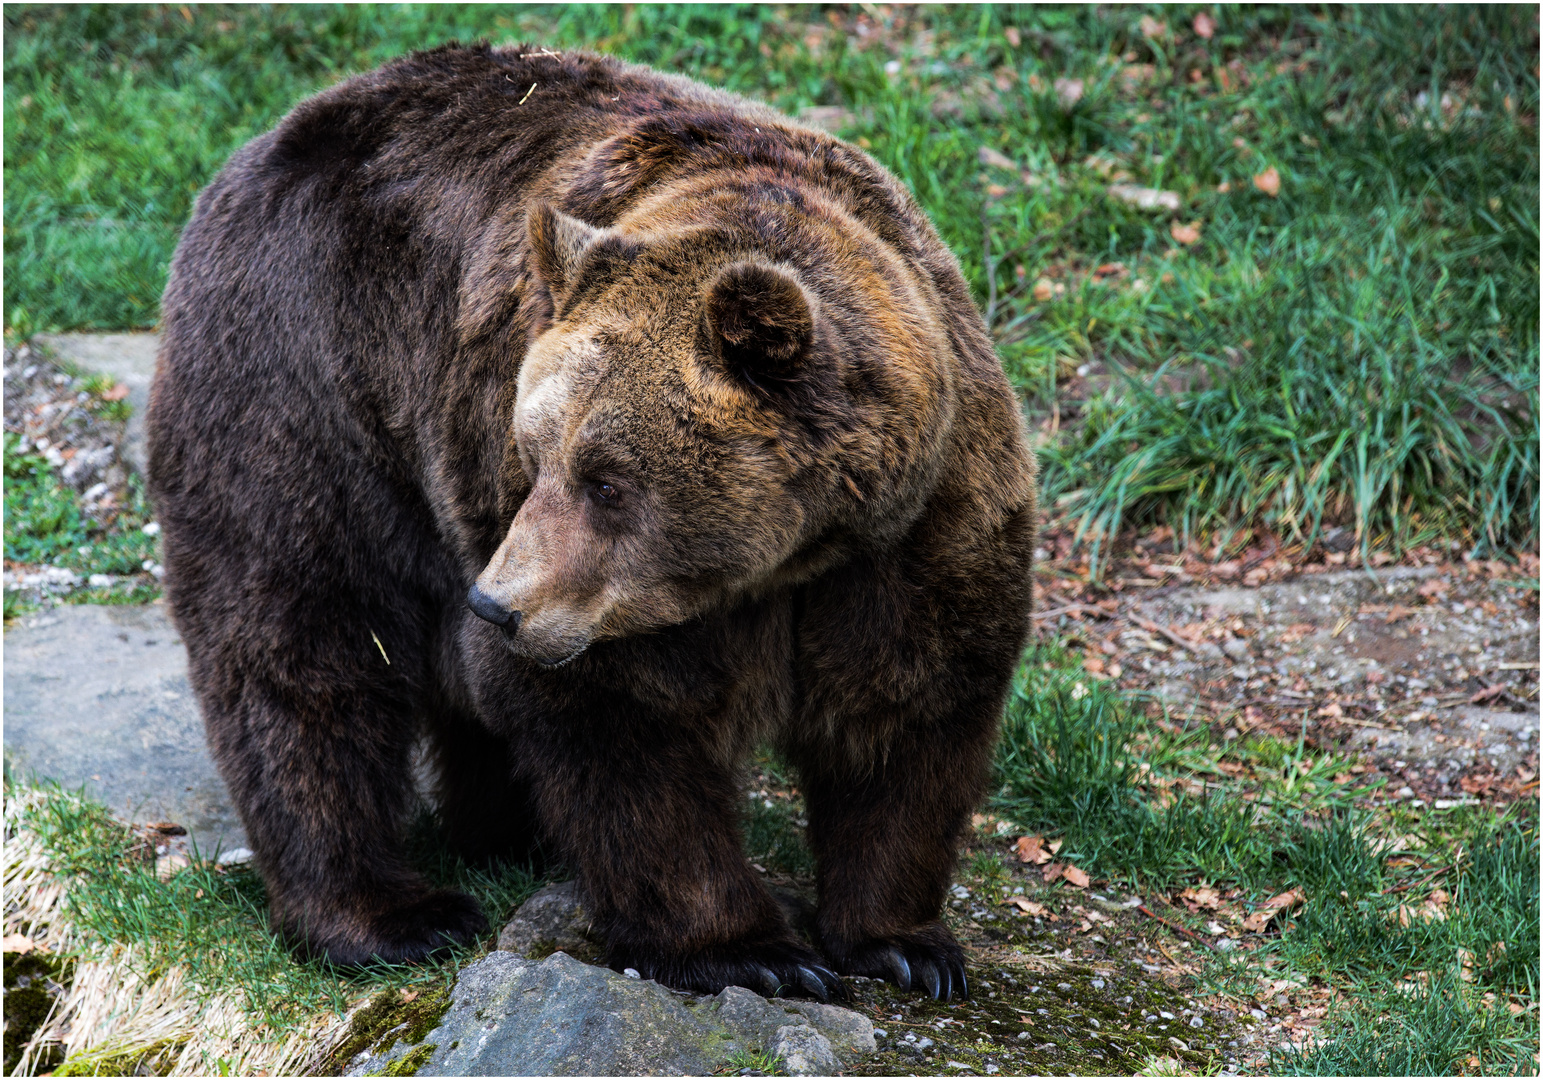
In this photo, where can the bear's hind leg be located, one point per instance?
(487, 813)
(322, 781)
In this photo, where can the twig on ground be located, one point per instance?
(1432, 876)
(1082, 609)
(1170, 924)
(1167, 632)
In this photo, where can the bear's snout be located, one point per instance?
(485, 607)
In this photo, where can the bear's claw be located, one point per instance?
(928, 959)
(771, 969)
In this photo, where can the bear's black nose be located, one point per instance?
(487, 608)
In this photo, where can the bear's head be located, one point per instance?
(717, 405)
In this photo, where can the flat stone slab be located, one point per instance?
(129, 358)
(97, 697)
(510, 1016)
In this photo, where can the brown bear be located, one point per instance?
(596, 426)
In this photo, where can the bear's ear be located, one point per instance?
(760, 323)
(558, 244)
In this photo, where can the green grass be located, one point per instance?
(212, 920)
(1081, 762)
(44, 522)
(1360, 350)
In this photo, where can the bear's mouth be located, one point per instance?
(552, 665)
(513, 644)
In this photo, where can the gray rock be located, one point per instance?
(97, 697)
(129, 358)
(510, 1016)
(850, 1033)
(553, 919)
(804, 1051)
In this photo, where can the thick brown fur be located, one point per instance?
(696, 404)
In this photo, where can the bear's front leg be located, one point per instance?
(649, 818)
(884, 825)
(322, 782)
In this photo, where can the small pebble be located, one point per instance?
(1195, 1021)
(1063, 986)
(632, 973)
(1098, 984)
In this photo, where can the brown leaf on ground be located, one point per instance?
(1050, 871)
(1027, 907)
(1076, 877)
(1489, 693)
(996, 159)
(409, 995)
(1203, 897)
(1152, 28)
(1185, 234)
(1068, 91)
(1043, 290)
(1014, 38)
(117, 393)
(1296, 632)
(1031, 849)
(17, 943)
(1269, 182)
(1285, 901)
(1204, 25)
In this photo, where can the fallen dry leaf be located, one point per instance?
(117, 393)
(1050, 871)
(1068, 91)
(996, 159)
(1204, 25)
(17, 943)
(1145, 198)
(1031, 849)
(1014, 38)
(1043, 290)
(1185, 234)
(1296, 632)
(1076, 877)
(410, 995)
(1026, 906)
(1487, 694)
(1332, 710)
(1203, 897)
(1288, 899)
(1152, 28)
(1269, 182)
(1223, 187)
(167, 865)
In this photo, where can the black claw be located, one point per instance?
(929, 974)
(901, 969)
(964, 985)
(947, 981)
(771, 986)
(812, 983)
(833, 983)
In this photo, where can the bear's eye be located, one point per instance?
(605, 492)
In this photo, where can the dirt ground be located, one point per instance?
(1427, 668)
